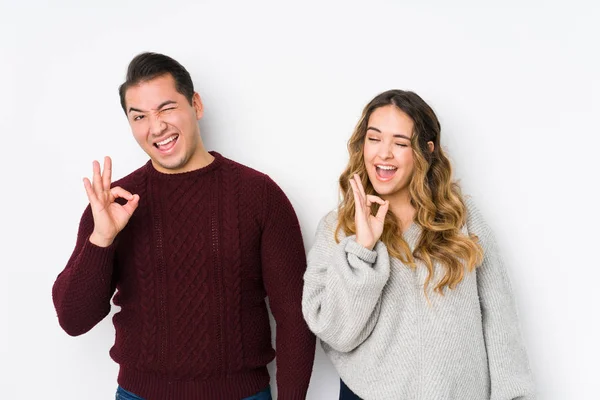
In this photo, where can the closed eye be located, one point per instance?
(371, 139)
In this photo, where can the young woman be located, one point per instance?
(405, 286)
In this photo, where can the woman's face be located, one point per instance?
(387, 151)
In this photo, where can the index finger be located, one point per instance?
(358, 200)
(360, 186)
(107, 173)
(375, 199)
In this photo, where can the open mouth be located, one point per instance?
(167, 144)
(385, 172)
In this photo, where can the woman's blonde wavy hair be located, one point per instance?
(437, 199)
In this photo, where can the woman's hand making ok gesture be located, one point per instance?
(368, 227)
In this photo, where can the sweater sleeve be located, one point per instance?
(82, 291)
(510, 374)
(283, 265)
(342, 287)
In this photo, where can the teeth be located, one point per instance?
(167, 140)
(386, 167)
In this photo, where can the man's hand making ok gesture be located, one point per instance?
(109, 216)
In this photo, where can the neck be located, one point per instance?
(402, 208)
(200, 159)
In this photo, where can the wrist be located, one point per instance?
(100, 241)
(366, 244)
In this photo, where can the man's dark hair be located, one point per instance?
(147, 66)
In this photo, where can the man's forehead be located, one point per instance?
(151, 95)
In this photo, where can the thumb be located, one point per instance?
(383, 209)
(132, 204)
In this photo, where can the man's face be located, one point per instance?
(165, 124)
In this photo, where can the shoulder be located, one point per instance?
(244, 170)
(476, 223)
(260, 194)
(330, 219)
(257, 183)
(250, 179)
(328, 224)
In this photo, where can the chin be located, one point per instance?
(384, 191)
(170, 163)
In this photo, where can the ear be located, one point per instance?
(197, 104)
(431, 146)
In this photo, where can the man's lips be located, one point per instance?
(167, 144)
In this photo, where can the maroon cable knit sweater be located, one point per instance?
(191, 270)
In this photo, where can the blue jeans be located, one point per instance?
(346, 393)
(123, 394)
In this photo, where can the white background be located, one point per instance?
(516, 87)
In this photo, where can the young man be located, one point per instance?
(192, 242)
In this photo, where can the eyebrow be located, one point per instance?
(161, 105)
(397, 135)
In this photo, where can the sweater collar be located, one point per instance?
(213, 166)
(412, 235)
